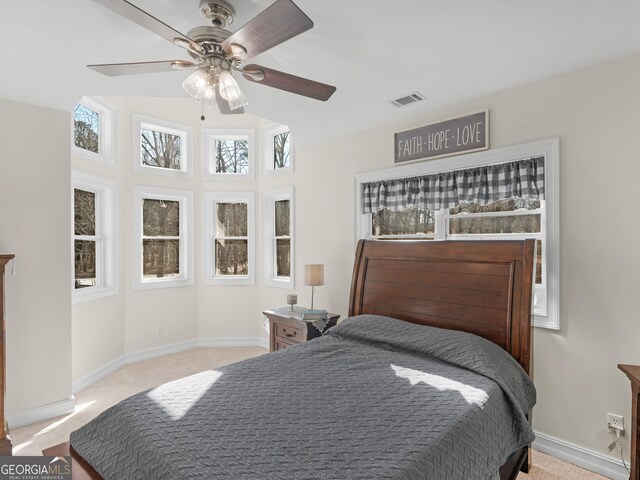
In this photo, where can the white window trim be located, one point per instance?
(208, 137)
(211, 199)
(185, 198)
(549, 149)
(106, 146)
(106, 231)
(268, 133)
(269, 197)
(186, 155)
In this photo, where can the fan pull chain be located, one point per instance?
(202, 115)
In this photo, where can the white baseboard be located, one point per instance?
(148, 354)
(580, 456)
(156, 352)
(98, 374)
(234, 342)
(67, 406)
(39, 414)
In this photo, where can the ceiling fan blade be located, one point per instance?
(223, 105)
(288, 82)
(148, 21)
(116, 69)
(278, 23)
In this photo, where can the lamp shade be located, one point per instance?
(314, 275)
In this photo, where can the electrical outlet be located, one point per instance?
(615, 423)
(159, 331)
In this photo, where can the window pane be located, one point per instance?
(160, 149)
(85, 263)
(281, 150)
(232, 220)
(282, 218)
(232, 257)
(160, 218)
(86, 125)
(506, 205)
(84, 205)
(232, 156)
(160, 258)
(283, 257)
(408, 222)
(508, 224)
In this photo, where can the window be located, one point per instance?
(278, 237)
(93, 210)
(230, 238)
(229, 154)
(162, 147)
(93, 130)
(510, 218)
(278, 149)
(163, 250)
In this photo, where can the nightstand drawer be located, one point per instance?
(287, 329)
(280, 344)
(288, 333)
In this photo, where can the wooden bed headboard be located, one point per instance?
(480, 287)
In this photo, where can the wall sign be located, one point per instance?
(465, 134)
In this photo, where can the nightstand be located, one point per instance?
(286, 328)
(633, 372)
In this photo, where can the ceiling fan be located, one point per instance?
(216, 52)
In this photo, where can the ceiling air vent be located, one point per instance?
(408, 99)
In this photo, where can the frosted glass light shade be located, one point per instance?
(201, 86)
(197, 84)
(314, 275)
(230, 90)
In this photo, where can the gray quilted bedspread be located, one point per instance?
(374, 398)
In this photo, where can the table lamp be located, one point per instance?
(313, 277)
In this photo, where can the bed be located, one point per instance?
(406, 391)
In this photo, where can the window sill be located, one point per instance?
(92, 293)
(280, 282)
(271, 172)
(169, 283)
(231, 280)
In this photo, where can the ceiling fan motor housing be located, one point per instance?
(218, 12)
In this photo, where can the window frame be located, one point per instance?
(209, 135)
(106, 135)
(106, 196)
(269, 197)
(550, 221)
(185, 132)
(185, 199)
(212, 199)
(269, 132)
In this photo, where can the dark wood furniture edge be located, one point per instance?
(520, 339)
(80, 469)
(633, 373)
(6, 448)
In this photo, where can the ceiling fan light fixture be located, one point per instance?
(199, 85)
(230, 90)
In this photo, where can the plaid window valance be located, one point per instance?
(481, 185)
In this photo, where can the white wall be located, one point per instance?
(595, 113)
(35, 225)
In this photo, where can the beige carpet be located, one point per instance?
(140, 376)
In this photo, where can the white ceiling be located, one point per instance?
(371, 50)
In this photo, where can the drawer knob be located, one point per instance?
(290, 335)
